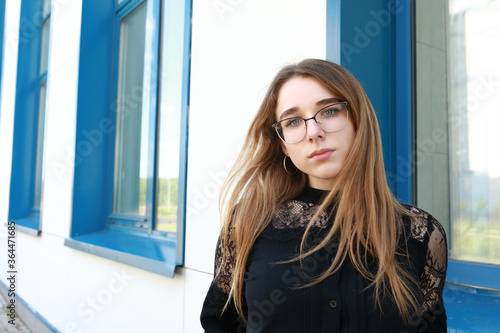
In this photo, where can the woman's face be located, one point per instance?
(320, 155)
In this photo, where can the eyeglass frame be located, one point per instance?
(275, 125)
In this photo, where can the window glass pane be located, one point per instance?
(475, 129)
(131, 143)
(432, 151)
(39, 147)
(44, 51)
(46, 7)
(168, 165)
(458, 123)
(172, 58)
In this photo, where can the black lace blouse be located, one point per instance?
(343, 302)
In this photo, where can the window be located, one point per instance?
(458, 138)
(29, 126)
(474, 123)
(138, 202)
(130, 155)
(132, 119)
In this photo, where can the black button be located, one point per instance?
(333, 304)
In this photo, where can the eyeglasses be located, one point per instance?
(331, 118)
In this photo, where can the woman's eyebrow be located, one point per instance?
(329, 100)
(323, 102)
(288, 112)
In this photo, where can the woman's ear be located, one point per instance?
(283, 147)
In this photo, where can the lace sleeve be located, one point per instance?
(223, 271)
(433, 278)
(213, 316)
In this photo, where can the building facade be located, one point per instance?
(120, 119)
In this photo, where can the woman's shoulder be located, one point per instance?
(422, 224)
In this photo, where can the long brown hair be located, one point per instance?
(368, 215)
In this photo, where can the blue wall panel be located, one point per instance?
(373, 43)
(26, 111)
(94, 124)
(404, 115)
(367, 50)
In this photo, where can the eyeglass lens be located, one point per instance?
(330, 119)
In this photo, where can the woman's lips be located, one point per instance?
(321, 154)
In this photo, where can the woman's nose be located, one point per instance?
(314, 131)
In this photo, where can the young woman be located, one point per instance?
(313, 239)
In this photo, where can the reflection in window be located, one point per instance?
(131, 120)
(39, 147)
(44, 52)
(474, 127)
(168, 181)
(46, 8)
(169, 142)
(42, 81)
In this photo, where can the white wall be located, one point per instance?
(237, 47)
(235, 55)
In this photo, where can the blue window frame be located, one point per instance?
(119, 169)
(29, 121)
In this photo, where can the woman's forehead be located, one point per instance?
(303, 93)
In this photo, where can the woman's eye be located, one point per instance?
(331, 111)
(293, 122)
